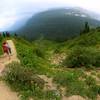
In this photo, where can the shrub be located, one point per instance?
(22, 78)
(90, 81)
(81, 56)
(98, 29)
(77, 58)
(39, 53)
(77, 83)
(87, 42)
(97, 59)
(71, 81)
(52, 95)
(65, 78)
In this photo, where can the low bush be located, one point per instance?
(93, 89)
(87, 42)
(81, 56)
(39, 52)
(23, 79)
(77, 83)
(27, 83)
(16, 74)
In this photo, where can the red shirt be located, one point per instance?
(5, 48)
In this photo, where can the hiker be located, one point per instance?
(6, 49)
(7, 34)
(9, 48)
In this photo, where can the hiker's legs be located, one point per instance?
(10, 50)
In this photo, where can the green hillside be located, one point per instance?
(76, 51)
(73, 65)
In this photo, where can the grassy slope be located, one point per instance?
(36, 55)
(33, 56)
(89, 46)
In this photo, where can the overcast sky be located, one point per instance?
(13, 10)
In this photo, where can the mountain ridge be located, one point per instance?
(57, 24)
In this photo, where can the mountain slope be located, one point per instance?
(57, 24)
(41, 54)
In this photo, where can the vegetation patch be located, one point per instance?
(77, 82)
(27, 83)
(83, 57)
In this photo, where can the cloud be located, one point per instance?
(13, 10)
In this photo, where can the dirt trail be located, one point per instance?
(5, 92)
(49, 85)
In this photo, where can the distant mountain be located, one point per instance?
(58, 24)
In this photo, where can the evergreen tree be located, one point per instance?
(16, 35)
(4, 35)
(86, 28)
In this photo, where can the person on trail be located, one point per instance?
(6, 49)
(9, 48)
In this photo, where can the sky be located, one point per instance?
(12, 11)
